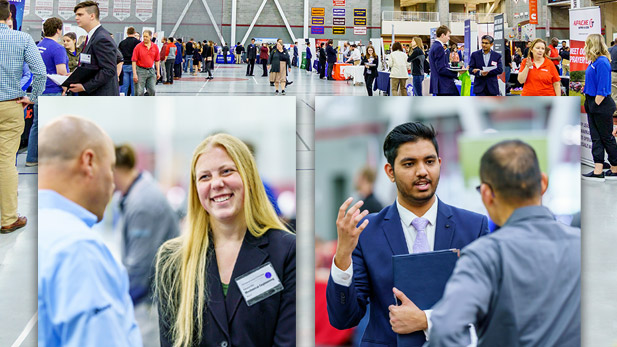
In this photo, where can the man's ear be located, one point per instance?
(544, 183)
(86, 162)
(389, 171)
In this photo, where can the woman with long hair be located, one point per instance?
(196, 58)
(281, 63)
(397, 61)
(233, 236)
(370, 62)
(417, 59)
(72, 51)
(538, 73)
(600, 107)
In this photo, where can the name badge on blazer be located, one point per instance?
(493, 63)
(85, 58)
(259, 284)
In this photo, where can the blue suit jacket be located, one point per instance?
(442, 79)
(372, 269)
(488, 83)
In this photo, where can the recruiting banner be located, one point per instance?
(44, 8)
(318, 21)
(533, 11)
(338, 21)
(359, 21)
(17, 13)
(359, 30)
(467, 51)
(103, 8)
(338, 12)
(318, 11)
(143, 9)
(122, 9)
(338, 30)
(499, 47)
(65, 8)
(338, 2)
(583, 22)
(26, 7)
(359, 12)
(317, 30)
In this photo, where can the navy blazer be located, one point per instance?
(442, 79)
(372, 269)
(103, 57)
(485, 84)
(228, 320)
(331, 53)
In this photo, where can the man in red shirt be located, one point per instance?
(554, 53)
(145, 57)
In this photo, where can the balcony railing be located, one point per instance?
(407, 16)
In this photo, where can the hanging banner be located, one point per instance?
(318, 20)
(26, 7)
(533, 11)
(319, 30)
(17, 13)
(44, 8)
(499, 47)
(338, 12)
(359, 12)
(359, 21)
(338, 30)
(338, 2)
(338, 21)
(359, 30)
(65, 8)
(143, 9)
(318, 11)
(467, 51)
(583, 22)
(122, 9)
(103, 8)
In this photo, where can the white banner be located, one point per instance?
(103, 8)
(359, 30)
(583, 22)
(143, 9)
(122, 9)
(44, 8)
(26, 8)
(65, 8)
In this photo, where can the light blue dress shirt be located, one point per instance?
(83, 292)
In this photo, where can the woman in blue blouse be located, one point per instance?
(600, 107)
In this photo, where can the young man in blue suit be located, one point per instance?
(485, 83)
(442, 78)
(416, 222)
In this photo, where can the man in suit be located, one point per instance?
(99, 52)
(521, 285)
(442, 78)
(416, 222)
(309, 56)
(294, 62)
(486, 83)
(331, 54)
(251, 55)
(322, 61)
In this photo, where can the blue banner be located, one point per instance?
(17, 13)
(338, 12)
(467, 51)
(317, 30)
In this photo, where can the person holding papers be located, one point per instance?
(236, 264)
(485, 64)
(416, 222)
(442, 77)
(521, 285)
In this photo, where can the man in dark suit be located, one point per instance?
(331, 53)
(251, 55)
(521, 285)
(99, 52)
(442, 78)
(322, 61)
(294, 62)
(416, 222)
(485, 83)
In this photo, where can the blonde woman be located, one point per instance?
(600, 107)
(538, 73)
(417, 60)
(233, 234)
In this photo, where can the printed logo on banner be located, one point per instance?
(359, 21)
(338, 2)
(359, 30)
(317, 30)
(338, 12)
(318, 11)
(318, 20)
(533, 11)
(359, 12)
(65, 8)
(338, 30)
(103, 8)
(338, 21)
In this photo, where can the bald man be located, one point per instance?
(83, 296)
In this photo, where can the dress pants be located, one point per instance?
(398, 86)
(169, 67)
(11, 127)
(330, 68)
(250, 67)
(417, 84)
(600, 118)
(368, 81)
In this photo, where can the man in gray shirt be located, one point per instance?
(520, 286)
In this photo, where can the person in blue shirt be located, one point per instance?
(83, 292)
(600, 108)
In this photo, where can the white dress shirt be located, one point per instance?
(91, 32)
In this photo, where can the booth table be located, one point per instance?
(336, 71)
(382, 82)
(356, 72)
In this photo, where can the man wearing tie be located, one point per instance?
(416, 222)
(442, 78)
(251, 55)
(99, 53)
(486, 83)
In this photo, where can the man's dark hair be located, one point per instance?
(171, 39)
(407, 132)
(442, 30)
(330, 41)
(90, 7)
(488, 38)
(253, 39)
(125, 156)
(512, 170)
(51, 26)
(5, 10)
(130, 31)
(179, 40)
(238, 43)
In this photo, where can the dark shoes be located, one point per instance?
(594, 177)
(283, 92)
(271, 84)
(288, 83)
(19, 223)
(610, 175)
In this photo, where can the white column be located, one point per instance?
(234, 4)
(306, 18)
(159, 15)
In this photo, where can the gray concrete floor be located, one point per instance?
(599, 262)
(18, 267)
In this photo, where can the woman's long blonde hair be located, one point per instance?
(418, 42)
(595, 47)
(181, 262)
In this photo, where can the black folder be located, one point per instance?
(422, 277)
(81, 74)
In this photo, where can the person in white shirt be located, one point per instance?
(397, 61)
(354, 56)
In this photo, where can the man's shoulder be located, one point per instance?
(461, 214)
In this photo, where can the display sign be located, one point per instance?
(103, 8)
(338, 2)
(499, 47)
(467, 51)
(338, 12)
(359, 21)
(583, 22)
(317, 30)
(122, 9)
(359, 30)
(17, 13)
(318, 20)
(318, 11)
(359, 12)
(338, 21)
(44, 8)
(533, 11)
(65, 8)
(143, 9)
(338, 30)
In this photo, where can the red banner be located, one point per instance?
(533, 11)
(338, 2)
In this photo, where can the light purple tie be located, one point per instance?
(421, 243)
